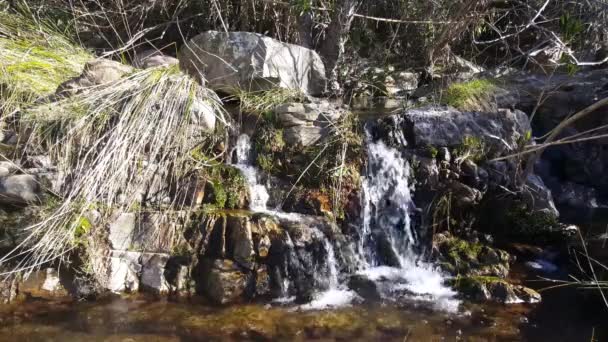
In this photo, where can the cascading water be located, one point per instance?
(334, 294)
(386, 236)
(257, 192)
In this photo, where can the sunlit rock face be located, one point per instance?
(250, 61)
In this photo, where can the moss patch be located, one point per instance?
(226, 188)
(469, 95)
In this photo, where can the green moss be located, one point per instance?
(228, 187)
(464, 95)
(532, 226)
(460, 250)
(472, 283)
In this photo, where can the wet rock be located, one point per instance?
(495, 289)
(262, 282)
(251, 61)
(96, 72)
(364, 287)
(460, 257)
(222, 282)
(19, 190)
(153, 273)
(539, 196)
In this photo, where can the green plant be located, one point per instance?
(473, 148)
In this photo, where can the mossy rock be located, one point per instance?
(226, 188)
(460, 257)
(484, 288)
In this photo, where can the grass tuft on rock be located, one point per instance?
(471, 95)
(34, 60)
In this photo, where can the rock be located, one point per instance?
(464, 195)
(445, 126)
(123, 271)
(152, 59)
(495, 289)
(203, 115)
(19, 190)
(364, 287)
(404, 82)
(305, 124)
(222, 282)
(45, 283)
(153, 273)
(539, 196)
(8, 289)
(7, 168)
(542, 266)
(262, 282)
(122, 231)
(51, 282)
(240, 241)
(95, 72)
(251, 61)
(576, 196)
(460, 257)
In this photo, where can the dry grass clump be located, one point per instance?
(112, 142)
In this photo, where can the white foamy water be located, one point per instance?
(257, 192)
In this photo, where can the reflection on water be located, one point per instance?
(139, 319)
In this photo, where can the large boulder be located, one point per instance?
(244, 60)
(500, 131)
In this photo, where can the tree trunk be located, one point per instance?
(332, 47)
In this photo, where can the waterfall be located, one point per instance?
(387, 237)
(257, 192)
(333, 293)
